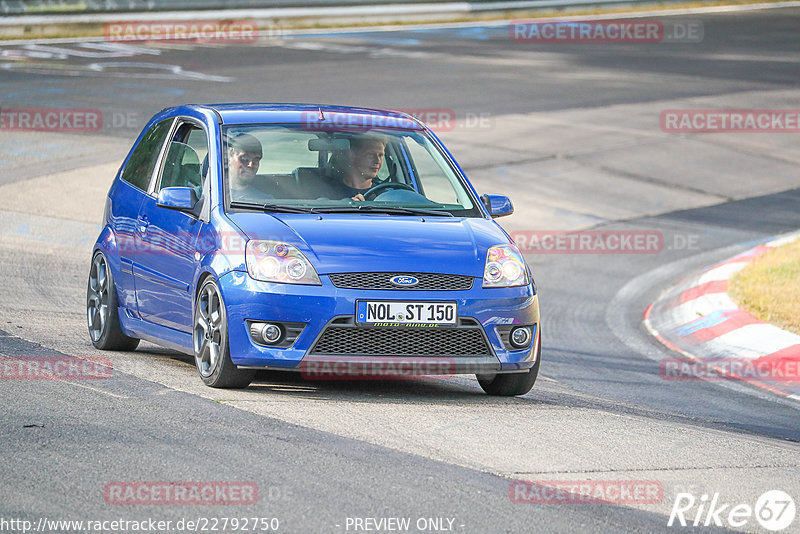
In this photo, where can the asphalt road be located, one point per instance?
(570, 131)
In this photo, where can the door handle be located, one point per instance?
(144, 222)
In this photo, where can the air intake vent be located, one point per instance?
(425, 281)
(466, 340)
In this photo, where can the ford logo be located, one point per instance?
(404, 281)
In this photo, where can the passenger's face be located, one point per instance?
(243, 165)
(368, 159)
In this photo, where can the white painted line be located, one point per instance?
(279, 13)
(752, 341)
(702, 306)
(370, 10)
(97, 390)
(723, 272)
(264, 13)
(505, 22)
(791, 238)
(658, 335)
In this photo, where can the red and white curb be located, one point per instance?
(717, 339)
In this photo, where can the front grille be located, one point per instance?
(346, 339)
(427, 281)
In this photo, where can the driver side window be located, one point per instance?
(183, 162)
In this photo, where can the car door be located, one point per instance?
(164, 275)
(125, 201)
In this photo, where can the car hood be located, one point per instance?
(376, 242)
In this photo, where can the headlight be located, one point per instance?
(504, 267)
(273, 261)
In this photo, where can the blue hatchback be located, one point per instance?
(339, 242)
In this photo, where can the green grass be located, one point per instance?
(769, 288)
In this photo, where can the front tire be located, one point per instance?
(512, 384)
(102, 310)
(210, 336)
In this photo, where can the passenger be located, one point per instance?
(244, 157)
(353, 170)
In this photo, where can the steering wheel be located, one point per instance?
(380, 188)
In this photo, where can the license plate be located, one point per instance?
(389, 313)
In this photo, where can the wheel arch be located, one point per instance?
(106, 242)
(202, 276)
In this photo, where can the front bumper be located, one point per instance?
(327, 310)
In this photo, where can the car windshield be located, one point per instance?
(284, 168)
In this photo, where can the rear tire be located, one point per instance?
(102, 310)
(210, 339)
(512, 384)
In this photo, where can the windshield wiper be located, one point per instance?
(272, 208)
(358, 208)
(383, 209)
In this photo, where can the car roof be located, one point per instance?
(318, 114)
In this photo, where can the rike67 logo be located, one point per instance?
(774, 510)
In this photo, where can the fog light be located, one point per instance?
(521, 337)
(266, 333)
(271, 333)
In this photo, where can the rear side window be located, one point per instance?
(143, 159)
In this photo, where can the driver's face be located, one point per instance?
(243, 165)
(368, 159)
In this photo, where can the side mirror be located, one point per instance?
(177, 198)
(497, 205)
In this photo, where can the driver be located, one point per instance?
(244, 157)
(353, 170)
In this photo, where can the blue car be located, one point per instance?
(335, 241)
